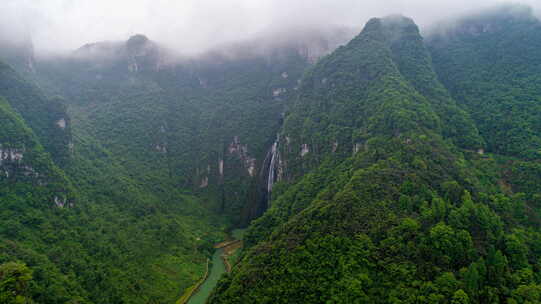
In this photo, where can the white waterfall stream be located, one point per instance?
(271, 177)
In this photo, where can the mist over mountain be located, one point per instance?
(270, 152)
(191, 27)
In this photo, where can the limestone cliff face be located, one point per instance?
(205, 124)
(47, 117)
(11, 159)
(25, 164)
(240, 151)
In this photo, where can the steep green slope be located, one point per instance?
(33, 190)
(490, 63)
(47, 117)
(329, 119)
(414, 216)
(239, 105)
(151, 246)
(203, 125)
(90, 232)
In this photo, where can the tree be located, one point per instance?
(460, 297)
(14, 279)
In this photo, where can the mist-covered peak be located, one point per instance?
(137, 52)
(18, 53)
(399, 23)
(137, 39)
(391, 22)
(102, 49)
(488, 21)
(397, 20)
(397, 27)
(389, 28)
(374, 24)
(498, 18)
(505, 12)
(138, 43)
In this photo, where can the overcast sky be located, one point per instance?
(191, 25)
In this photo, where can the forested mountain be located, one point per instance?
(490, 63)
(86, 230)
(387, 193)
(395, 168)
(201, 124)
(46, 116)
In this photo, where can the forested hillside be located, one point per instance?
(85, 229)
(202, 124)
(388, 195)
(490, 63)
(46, 116)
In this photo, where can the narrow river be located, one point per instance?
(218, 268)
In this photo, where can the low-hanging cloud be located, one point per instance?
(195, 25)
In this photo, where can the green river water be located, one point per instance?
(216, 271)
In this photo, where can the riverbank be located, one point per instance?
(222, 261)
(191, 290)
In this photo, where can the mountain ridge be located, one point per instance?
(369, 228)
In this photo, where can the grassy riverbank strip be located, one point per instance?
(193, 289)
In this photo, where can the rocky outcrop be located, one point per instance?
(236, 148)
(304, 150)
(278, 91)
(161, 148)
(204, 182)
(142, 54)
(10, 155)
(61, 123)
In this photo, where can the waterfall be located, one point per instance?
(270, 173)
(272, 169)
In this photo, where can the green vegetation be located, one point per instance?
(90, 232)
(14, 279)
(490, 65)
(390, 201)
(173, 125)
(195, 288)
(42, 114)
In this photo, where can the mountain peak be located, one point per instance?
(137, 40)
(391, 27)
(397, 20)
(494, 20)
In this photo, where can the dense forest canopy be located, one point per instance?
(409, 173)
